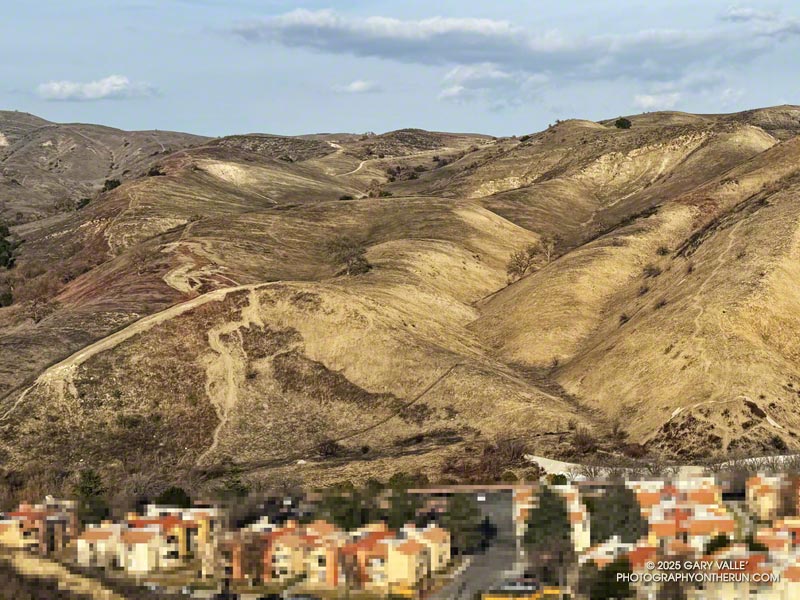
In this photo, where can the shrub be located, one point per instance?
(82, 203)
(583, 441)
(524, 138)
(155, 171)
(618, 433)
(660, 304)
(623, 318)
(622, 123)
(652, 270)
(492, 462)
(330, 449)
(350, 253)
(634, 450)
(345, 197)
(533, 473)
(662, 251)
(509, 477)
(8, 247)
(110, 184)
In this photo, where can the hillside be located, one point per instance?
(241, 304)
(48, 168)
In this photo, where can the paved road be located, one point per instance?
(496, 563)
(484, 572)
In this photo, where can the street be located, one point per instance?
(496, 563)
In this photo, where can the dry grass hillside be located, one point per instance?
(49, 168)
(337, 306)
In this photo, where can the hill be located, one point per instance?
(48, 168)
(337, 306)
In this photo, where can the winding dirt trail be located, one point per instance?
(356, 170)
(62, 371)
(225, 371)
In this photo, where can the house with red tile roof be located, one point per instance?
(98, 545)
(43, 528)
(142, 550)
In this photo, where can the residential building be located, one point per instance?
(764, 496)
(323, 565)
(97, 546)
(406, 564)
(284, 555)
(44, 528)
(141, 551)
(437, 540)
(240, 556)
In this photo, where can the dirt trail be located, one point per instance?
(62, 372)
(356, 170)
(226, 370)
(696, 340)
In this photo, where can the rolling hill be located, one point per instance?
(336, 306)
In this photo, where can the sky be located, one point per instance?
(290, 67)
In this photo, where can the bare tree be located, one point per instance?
(522, 261)
(548, 245)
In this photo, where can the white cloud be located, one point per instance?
(766, 23)
(359, 86)
(656, 101)
(490, 84)
(745, 14)
(501, 64)
(113, 86)
(649, 55)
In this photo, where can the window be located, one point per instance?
(321, 561)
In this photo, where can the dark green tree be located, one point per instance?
(174, 496)
(548, 538)
(349, 507)
(717, 543)
(622, 123)
(604, 584)
(403, 508)
(463, 521)
(617, 512)
(90, 493)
